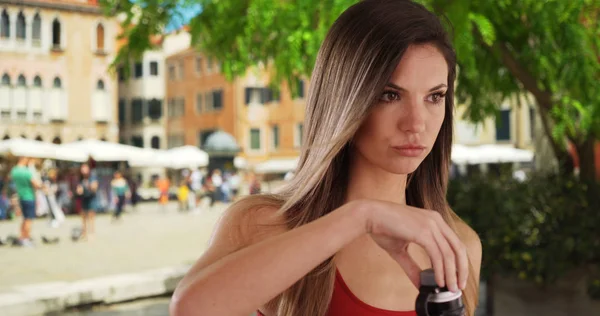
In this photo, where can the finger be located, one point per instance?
(432, 249)
(412, 269)
(460, 250)
(449, 260)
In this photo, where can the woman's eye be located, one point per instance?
(436, 97)
(390, 96)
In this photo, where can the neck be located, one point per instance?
(367, 181)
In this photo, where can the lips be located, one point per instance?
(409, 150)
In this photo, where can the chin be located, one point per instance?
(402, 166)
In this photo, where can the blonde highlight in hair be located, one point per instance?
(355, 61)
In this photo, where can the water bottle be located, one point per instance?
(436, 301)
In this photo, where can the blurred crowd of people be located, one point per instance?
(31, 191)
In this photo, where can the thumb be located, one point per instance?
(412, 269)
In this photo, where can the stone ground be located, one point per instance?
(147, 238)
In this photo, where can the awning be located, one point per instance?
(280, 165)
(107, 151)
(491, 153)
(22, 147)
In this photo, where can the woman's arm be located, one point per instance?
(239, 282)
(243, 270)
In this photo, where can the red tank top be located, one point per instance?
(345, 303)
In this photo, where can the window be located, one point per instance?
(255, 138)
(121, 72)
(171, 72)
(214, 100)
(299, 134)
(21, 82)
(100, 37)
(137, 111)
(155, 142)
(4, 25)
(531, 122)
(21, 27)
(209, 64)
(37, 82)
(5, 80)
(57, 83)
(217, 100)
(100, 85)
(153, 68)
(203, 136)
(181, 70)
(175, 141)
(176, 107)
(258, 95)
(139, 70)
(503, 126)
(199, 103)
(137, 141)
(301, 88)
(36, 26)
(122, 111)
(199, 65)
(155, 109)
(275, 133)
(56, 34)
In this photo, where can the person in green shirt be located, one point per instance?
(25, 185)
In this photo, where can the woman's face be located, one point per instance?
(402, 127)
(85, 169)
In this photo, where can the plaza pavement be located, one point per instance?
(143, 255)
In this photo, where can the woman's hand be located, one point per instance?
(394, 226)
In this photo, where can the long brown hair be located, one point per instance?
(355, 62)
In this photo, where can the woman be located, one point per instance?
(366, 209)
(86, 192)
(120, 192)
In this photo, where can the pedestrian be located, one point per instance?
(163, 184)
(120, 192)
(255, 187)
(366, 210)
(133, 183)
(25, 185)
(86, 193)
(234, 184)
(182, 195)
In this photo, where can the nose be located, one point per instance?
(412, 119)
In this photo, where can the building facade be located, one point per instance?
(54, 66)
(265, 124)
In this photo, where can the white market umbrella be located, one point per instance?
(22, 147)
(107, 151)
(185, 157)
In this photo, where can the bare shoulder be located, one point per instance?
(244, 223)
(250, 220)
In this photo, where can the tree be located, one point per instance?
(548, 49)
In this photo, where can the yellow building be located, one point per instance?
(54, 60)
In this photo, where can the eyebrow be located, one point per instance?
(439, 86)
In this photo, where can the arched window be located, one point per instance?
(37, 82)
(4, 25)
(21, 82)
(155, 142)
(36, 26)
(6, 137)
(57, 83)
(100, 85)
(21, 26)
(39, 138)
(100, 37)
(57, 140)
(5, 80)
(56, 33)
